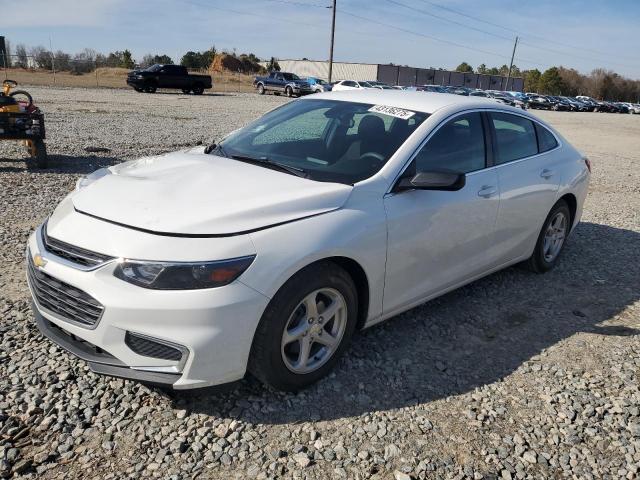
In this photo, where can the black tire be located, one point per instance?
(198, 89)
(22, 93)
(138, 89)
(150, 88)
(537, 262)
(266, 362)
(261, 89)
(186, 91)
(40, 157)
(288, 91)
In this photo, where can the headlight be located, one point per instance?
(182, 275)
(92, 177)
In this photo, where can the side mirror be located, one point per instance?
(450, 181)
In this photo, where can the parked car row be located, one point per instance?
(290, 84)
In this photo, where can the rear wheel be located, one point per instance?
(551, 239)
(305, 329)
(38, 151)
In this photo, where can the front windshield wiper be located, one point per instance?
(266, 162)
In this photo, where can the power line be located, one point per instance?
(555, 42)
(301, 4)
(444, 19)
(469, 27)
(441, 40)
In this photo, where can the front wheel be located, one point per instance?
(261, 89)
(551, 239)
(150, 88)
(305, 329)
(186, 91)
(288, 92)
(198, 89)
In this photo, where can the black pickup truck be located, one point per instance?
(167, 76)
(282, 82)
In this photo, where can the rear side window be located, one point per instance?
(515, 137)
(546, 140)
(457, 146)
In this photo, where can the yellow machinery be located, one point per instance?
(21, 120)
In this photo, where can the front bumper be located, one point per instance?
(212, 327)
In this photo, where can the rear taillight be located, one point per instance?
(587, 163)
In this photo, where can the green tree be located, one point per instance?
(482, 69)
(532, 80)
(551, 82)
(273, 65)
(464, 67)
(198, 60)
(127, 60)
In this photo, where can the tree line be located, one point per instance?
(88, 59)
(600, 83)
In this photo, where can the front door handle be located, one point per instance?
(487, 191)
(546, 173)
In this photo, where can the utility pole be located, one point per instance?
(513, 54)
(333, 33)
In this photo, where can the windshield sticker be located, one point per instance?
(392, 111)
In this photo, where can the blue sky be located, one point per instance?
(580, 34)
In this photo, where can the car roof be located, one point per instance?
(427, 102)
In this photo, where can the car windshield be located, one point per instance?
(154, 68)
(290, 76)
(327, 140)
(365, 84)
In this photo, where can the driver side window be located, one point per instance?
(457, 146)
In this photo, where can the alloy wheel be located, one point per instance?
(314, 331)
(554, 237)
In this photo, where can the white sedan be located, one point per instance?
(264, 253)
(351, 85)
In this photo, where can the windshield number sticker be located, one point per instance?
(392, 111)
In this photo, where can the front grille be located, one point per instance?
(80, 256)
(69, 302)
(150, 348)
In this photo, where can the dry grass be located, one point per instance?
(114, 78)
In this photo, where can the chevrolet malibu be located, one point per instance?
(263, 253)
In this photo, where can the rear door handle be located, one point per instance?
(546, 173)
(487, 191)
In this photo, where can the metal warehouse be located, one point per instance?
(399, 75)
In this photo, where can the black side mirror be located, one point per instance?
(450, 181)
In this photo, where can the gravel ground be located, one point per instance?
(515, 376)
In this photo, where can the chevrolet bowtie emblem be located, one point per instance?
(38, 261)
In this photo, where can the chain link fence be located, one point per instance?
(49, 70)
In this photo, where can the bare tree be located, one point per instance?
(21, 59)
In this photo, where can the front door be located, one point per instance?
(438, 239)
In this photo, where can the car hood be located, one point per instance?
(192, 193)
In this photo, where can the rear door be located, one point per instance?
(438, 239)
(528, 172)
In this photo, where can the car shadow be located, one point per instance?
(179, 93)
(472, 337)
